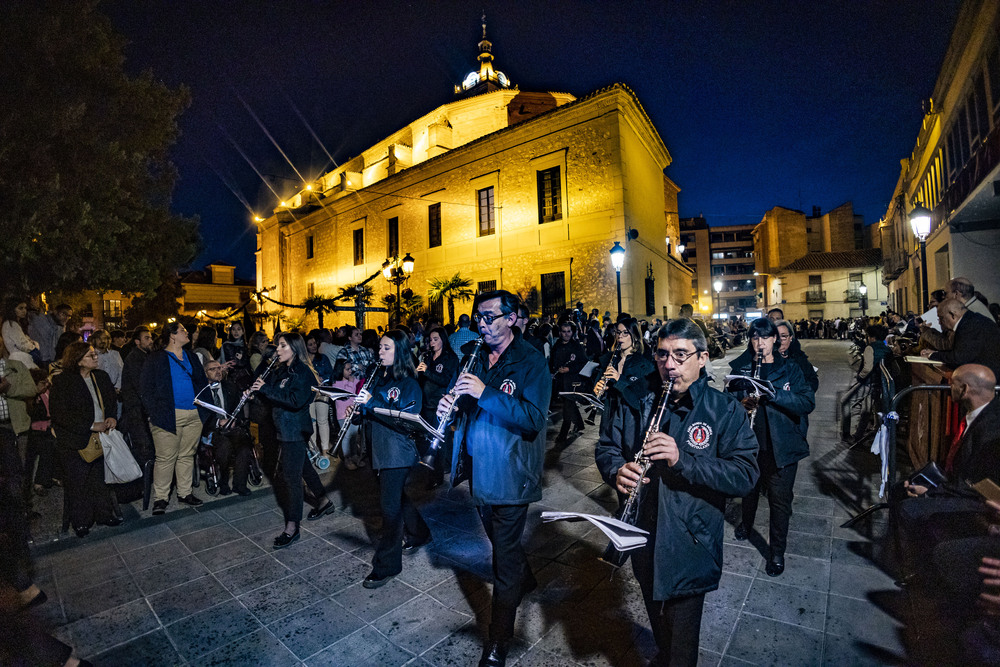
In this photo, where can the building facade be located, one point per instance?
(953, 171)
(720, 256)
(523, 191)
(828, 285)
(213, 291)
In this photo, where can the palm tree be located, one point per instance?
(452, 289)
(361, 295)
(318, 304)
(409, 304)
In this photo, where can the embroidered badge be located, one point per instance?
(439, 368)
(699, 433)
(392, 394)
(572, 357)
(508, 387)
(632, 378)
(787, 387)
(283, 383)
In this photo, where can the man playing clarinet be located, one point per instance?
(499, 448)
(703, 452)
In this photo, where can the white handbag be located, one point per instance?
(119, 464)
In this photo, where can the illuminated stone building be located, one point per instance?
(524, 191)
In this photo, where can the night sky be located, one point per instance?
(759, 103)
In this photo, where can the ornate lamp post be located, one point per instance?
(863, 301)
(397, 271)
(920, 222)
(618, 261)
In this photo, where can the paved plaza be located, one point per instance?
(203, 586)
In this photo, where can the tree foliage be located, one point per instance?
(453, 289)
(157, 305)
(85, 178)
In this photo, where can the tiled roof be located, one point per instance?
(819, 261)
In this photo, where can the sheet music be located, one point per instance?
(213, 408)
(763, 386)
(412, 418)
(334, 393)
(581, 397)
(623, 535)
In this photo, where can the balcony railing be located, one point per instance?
(980, 164)
(852, 296)
(815, 296)
(896, 262)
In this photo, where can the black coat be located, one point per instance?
(978, 453)
(72, 406)
(631, 386)
(288, 390)
(231, 395)
(392, 444)
(796, 354)
(718, 460)
(434, 381)
(977, 341)
(573, 356)
(158, 391)
(784, 416)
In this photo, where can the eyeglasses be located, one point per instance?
(680, 356)
(623, 332)
(487, 318)
(784, 336)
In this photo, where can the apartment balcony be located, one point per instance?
(815, 296)
(852, 296)
(979, 166)
(895, 263)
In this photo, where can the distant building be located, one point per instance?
(721, 254)
(524, 191)
(828, 285)
(214, 290)
(953, 170)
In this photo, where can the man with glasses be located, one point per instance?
(499, 448)
(703, 453)
(566, 361)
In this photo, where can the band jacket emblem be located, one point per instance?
(392, 394)
(699, 435)
(508, 387)
(439, 368)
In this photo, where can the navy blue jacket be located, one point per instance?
(503, 433)
(392, 444)
(288, 390)
(158, 390)
(436, 380)
(718, 459)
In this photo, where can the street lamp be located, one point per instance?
(618, 261)
(718, 299)
(397, 271)
(863, 301)
(920, 222)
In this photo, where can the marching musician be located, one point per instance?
(567, 360)
(288, 391)
(627, 367)
(232, 447)
(780, 424)
(393, 453)
(436, 371)
(499, 448)
(703, 453)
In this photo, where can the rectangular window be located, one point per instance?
(392, 237)
(553, 293)
(310, 248)
(434, 225)
(650, 296)
(437, 310)
(485, 286)
(982, 107)
(487, 212)
(112, 309)
(359, 247)
(816, 280)
(549, 195)
(311, 290)
(855, 278)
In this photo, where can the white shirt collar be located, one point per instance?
(971, 417)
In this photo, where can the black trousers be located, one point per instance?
(41, 449)
(512, 577)
(571, 417)
(15, 568)
(400, 519)
(778, 483)
(88, 496)
(296, 468)
(232, 450)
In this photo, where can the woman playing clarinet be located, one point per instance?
(625, 367)
(436, 371)
(393, 454)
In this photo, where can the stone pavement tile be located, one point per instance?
(153, 555)
(104, 595)
(371, 604)
(803, 572)
(310, 630)
(280, 598)
(304, 553)
(811, 523)
(366, 647)
(812, 546)
(419, 623)
(229, 555)
(764, 641)
(809, 505)
(585, 634)
(875, 527)
(260, 649)
(50, 614)
(206, 538)
(860, 619)
(717, 625)
(562, 584)
(839, 651)
(345, 532)
(856, 581)
(861, 553)
(101, 631)
(252, 574)
(87, 573)
(73, 551)
(732, 591)
(182, 525)
(464, 593)
(159, 578)
(150, 650)
(798, 606)
(258, 523)
(708, 658)
(465, 647)
(211, 629)
(141, 536)
(237, 507)
(424, 569)
(337, 573)
(740, 558)
(189, 598)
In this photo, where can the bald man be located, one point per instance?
(961, 288)
(976, 341)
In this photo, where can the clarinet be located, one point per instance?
(232, 419)
(347, 419)
(629, 512)
(756, 392)
(437, 440)
(599, 395)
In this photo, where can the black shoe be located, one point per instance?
(775, 566)
(190, 499)
(741, 532)
(113, 521)
(412, 546)
(82, 531)
(320, 512)
(371, 581)
(494, 654)
(283, 540)
(243, 492)
(159, 507)
(224, 491)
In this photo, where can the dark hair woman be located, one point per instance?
(204, 343)
(14, 332)
(625, 368)
(82, 402)
(393, 454)
(288, 390)
(435, 370)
